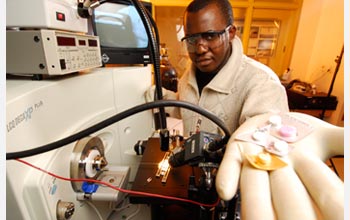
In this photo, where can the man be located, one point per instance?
(222, 79)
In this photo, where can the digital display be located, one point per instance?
(65, 41)
(92, 43)
(120, 25)
(122, 34)
(82, 42)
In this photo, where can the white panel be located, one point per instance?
(40, 112)
(42, 14)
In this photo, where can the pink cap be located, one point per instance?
(288, 131)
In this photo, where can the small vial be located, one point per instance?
(264, 158)
(275, 121)
(288, 131)
(260, 136)
(281, 146)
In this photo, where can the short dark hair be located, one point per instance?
(223, 5)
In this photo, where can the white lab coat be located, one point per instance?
(243, 88)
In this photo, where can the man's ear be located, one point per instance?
(232, 32)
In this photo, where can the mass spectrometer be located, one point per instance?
(41, 112)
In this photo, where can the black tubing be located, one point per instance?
(116, 118)
(155, 56)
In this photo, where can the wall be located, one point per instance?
(319, 41)
(247, 13)
(169, 21)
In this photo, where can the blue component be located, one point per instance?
(89, 187)
(53, 189)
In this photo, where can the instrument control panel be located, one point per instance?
(50, 52)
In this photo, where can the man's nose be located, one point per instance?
(201, 46)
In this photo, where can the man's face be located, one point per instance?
(208, 56)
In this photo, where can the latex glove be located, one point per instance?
(305, 189)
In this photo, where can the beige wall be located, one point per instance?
(319, 41)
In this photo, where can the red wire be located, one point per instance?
(119, 189)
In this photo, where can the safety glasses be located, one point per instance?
(209, 39)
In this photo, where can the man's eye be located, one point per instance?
(209, 36)
(192, 40)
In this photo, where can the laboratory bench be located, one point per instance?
(177, 185)
(311, 103)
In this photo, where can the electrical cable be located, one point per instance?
(154, 25)
(135, 213)
(95, 209)
(123, 207)
(116, 118)
(153, 38)
(120, 189)
(155, 57)
(338, 61)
